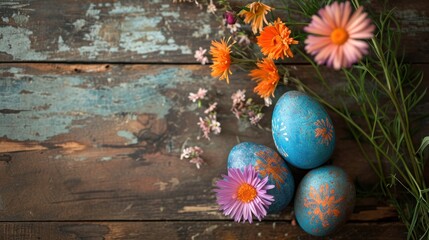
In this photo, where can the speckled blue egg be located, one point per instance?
(268, 163)
(302, 130)
(324, 200)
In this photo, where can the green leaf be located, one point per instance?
(423, 146)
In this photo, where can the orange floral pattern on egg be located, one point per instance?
(322, 204)
(324, 131)
(270, 165)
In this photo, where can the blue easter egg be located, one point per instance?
(324, 200)
(267, 162)
(302, 130)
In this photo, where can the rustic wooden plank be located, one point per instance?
(141, 31)
(189, 230)
(97, 142)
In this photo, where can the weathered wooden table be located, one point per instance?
(94, 111)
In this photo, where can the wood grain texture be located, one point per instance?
(89, 149)
(190, 230)
(142, 31)
(98, 142)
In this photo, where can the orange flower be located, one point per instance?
(220, 52)
(267, 77)
(255, 12)
(274, 40)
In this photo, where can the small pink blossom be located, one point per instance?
(198, 150)
(254, 120)
(209, 124)
(204, 124)
(193, 153)
(237, 113)
(197, 161)
(201, 94)
(238, 97)
(243, 108)
(211, 8)
(233, 27)
(215, 126)
(199, 56)
(211, 108)
(186, 153)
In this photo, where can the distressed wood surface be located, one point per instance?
(90, 149)
(190, 230)
(97, 142)
(142, 31)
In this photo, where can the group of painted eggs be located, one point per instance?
(305, 138)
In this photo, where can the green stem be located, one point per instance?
(361, 131)
(371, 127)
(402, 113)
(319, 74)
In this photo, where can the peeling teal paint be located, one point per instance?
(107, 29)
(148, 41)
(167, 13)
(106, 158)
(15, 5)
(139, 31)
(98, 44)
(62, 47)
(203, 31)
(119, 9)
(20, 19)
(53, 102)
(13, 70)
(16, 42)
(91, 12)
(78, 24)
(132, 139)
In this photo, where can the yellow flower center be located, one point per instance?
(339, 36)
(246, 193)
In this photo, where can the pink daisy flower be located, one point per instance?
(242, 194)
(338, 35)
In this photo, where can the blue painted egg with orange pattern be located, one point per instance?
(324, 200)
(267, 162)
(302, 130)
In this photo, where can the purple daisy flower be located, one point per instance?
(243, 193)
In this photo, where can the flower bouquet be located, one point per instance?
(379, 94)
